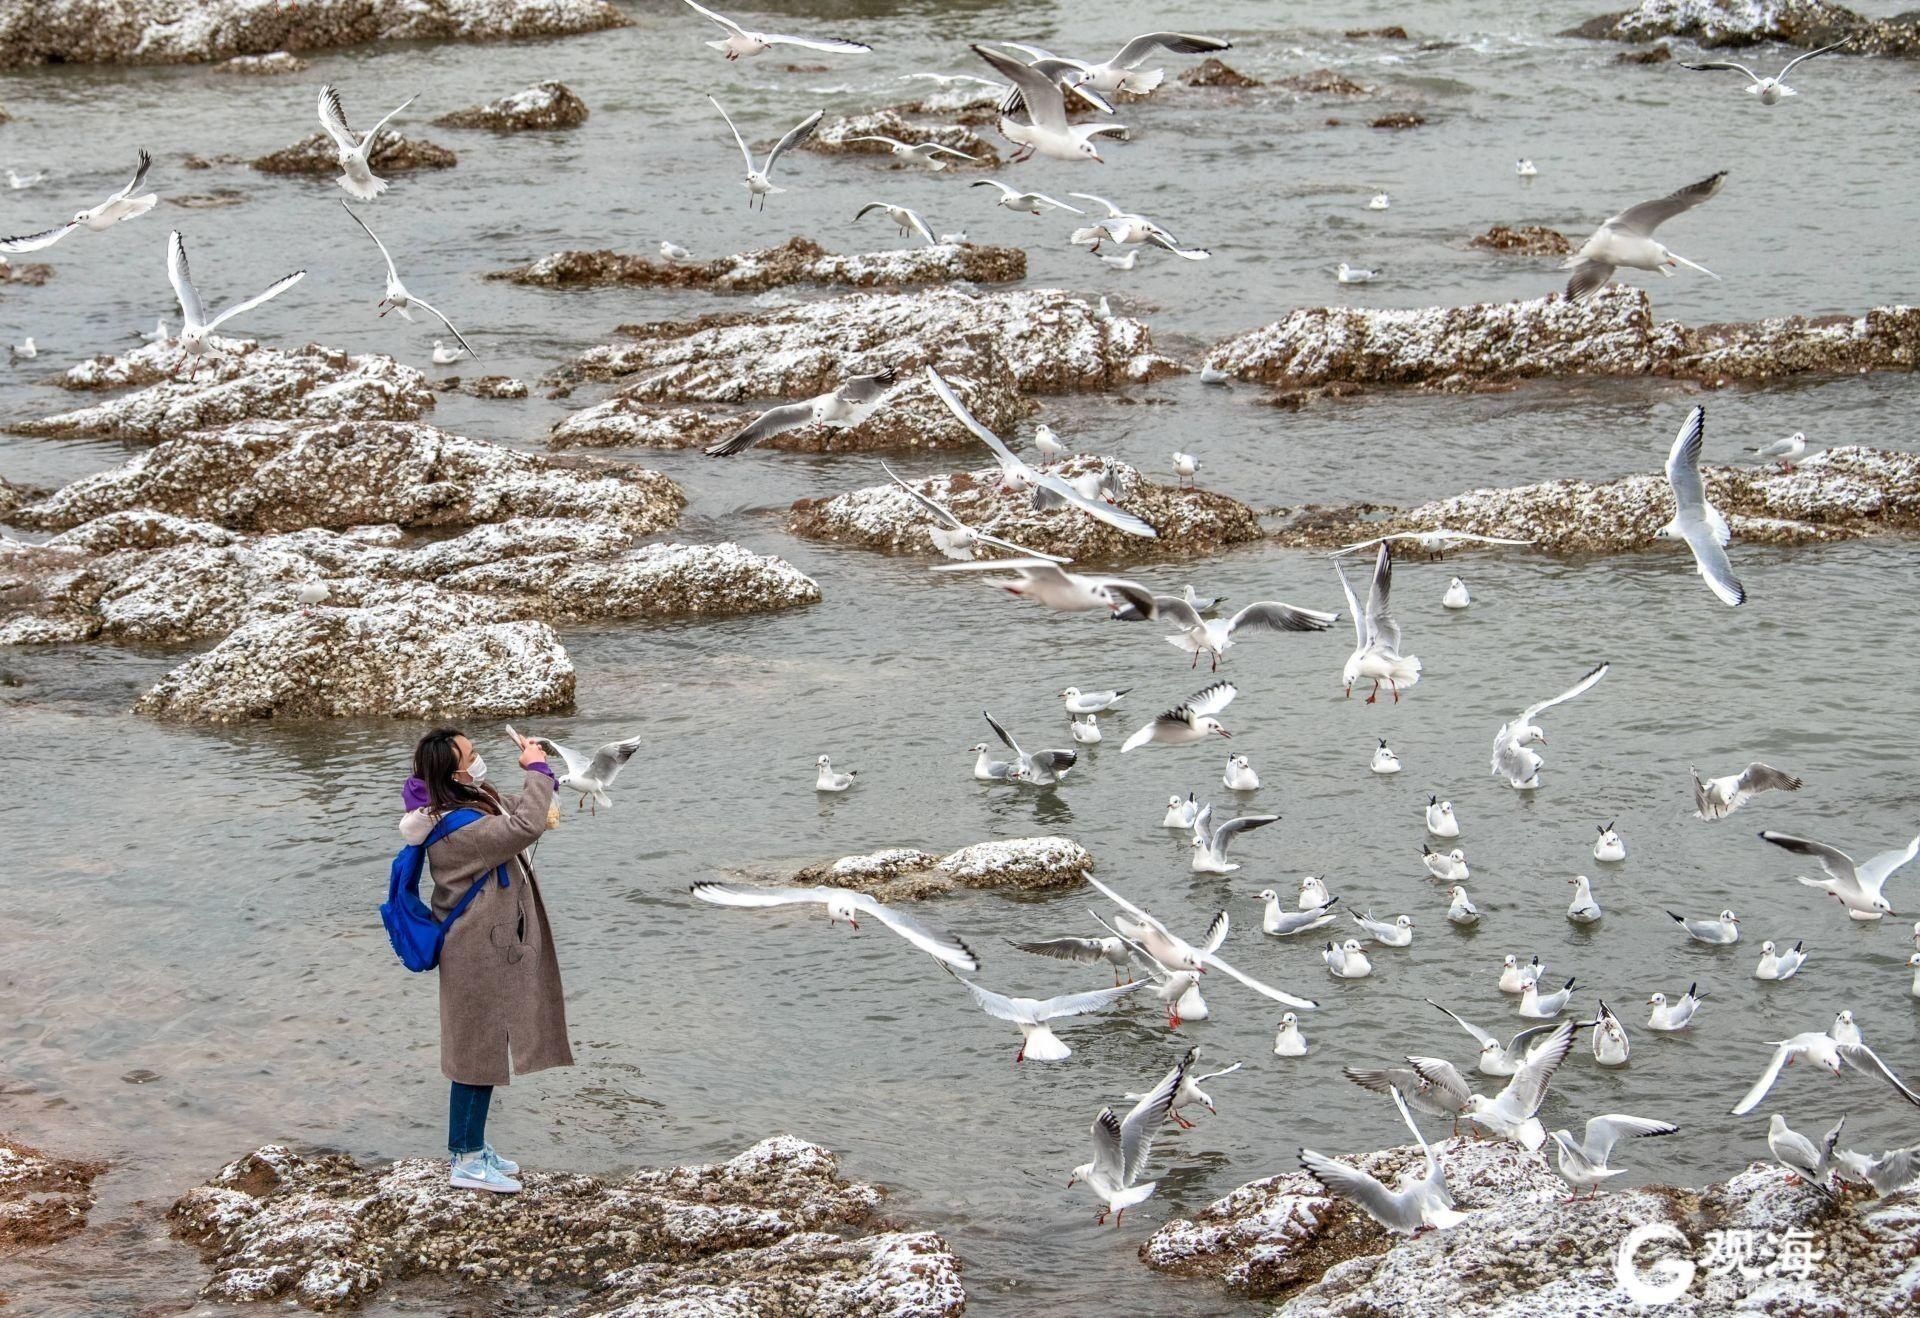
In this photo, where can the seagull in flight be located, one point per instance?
(1695, 520)
(1214, 636)
(1855, 885)
(955, 538)
(1049, 490)
(1717, 798)
(739, 41)
(1496, 1058)
(1376, 635)
(356, 176)
(1175, 953)
(1436, 542)
(1045, 582)
(845, 904)
(1513, 756)
(1038, 1042)
(1626, 240)
(1086, 951)
(1770, 90)
(1584, 1165)
(758, 182)
(1513, 1112)
(1420, 1201)
(1190, 721)
(922, 153)
(397, 298)
(1033, 203)
(1821, 1049)
(122, 205)
(1121, 1147)
(194, 325)
(1047, 131)
(907, 220)
(857, 398)
(591, 778)
(1121, 73)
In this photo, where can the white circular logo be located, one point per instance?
(1663, 1282)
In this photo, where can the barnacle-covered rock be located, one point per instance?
(545, 105)
(797, 261)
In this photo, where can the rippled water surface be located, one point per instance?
(200, 903)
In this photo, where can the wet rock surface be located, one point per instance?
(240, 381)
(1611, 333)
(1836, 494)
(283, 475)
(543, 106)
(1211, 72)
(835, 137)
(271, 65)
(798, 261)
(1524, 240)
(198, 31)
(395, 153)
(1323, 82)
(33, 273)
(43, 1198)
(775, 1231)
(1526, 1249)
(882, 517)
(1808, 23)
(1035, 864)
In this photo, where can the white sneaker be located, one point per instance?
(473, 1172)
(506, 1166)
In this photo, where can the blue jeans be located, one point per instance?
(467, 1118)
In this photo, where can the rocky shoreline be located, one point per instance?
(797, 261)
(1034, 864)
(1805, 23)
(1526, 1249)
(202, 31)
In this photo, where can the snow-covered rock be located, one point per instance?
(284, 475)
(241, 381)
(835, 137)
(1807, 23)
(654, 581)
(271, 65)
(797, 261)
(883, 517)
(545, 105)
(199, 31)
(1611, 333)
(1527, 1250)
(394, 153)
(425, 655)
(1836, 494)
(775, 1230)
(1034, 864)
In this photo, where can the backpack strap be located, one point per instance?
(452, 822)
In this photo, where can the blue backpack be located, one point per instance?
(417, 936)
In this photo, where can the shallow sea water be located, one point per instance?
(200, 903)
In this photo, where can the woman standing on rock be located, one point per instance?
(502, 1008)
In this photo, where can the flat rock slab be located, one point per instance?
(285, 475)
(773, 1231)
(200, 31)
(1036, 340)
(543, 106)
(1807, 23)
(395, 153)
(43, 1198)
(1036, 864)
(239, 381)
(1613, 333)
(798, 261)
(1526, 1250)
(1837, 494)
(883, 517)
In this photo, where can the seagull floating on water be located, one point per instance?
(1610, 1044)
(1583, 909)
(1212, 840)
(1180, 814)
(1626, 240)
(827, 780)
(1462, 911)
(1525, 169)
(1779, 963)
(1515, 977)
(1441, 821)
(1538, 1006)
(1284, 924)
(1770, 91)
(1456, 596)
(1714, 932)
(1668, 1017)
(445, 356)
(1288, 1041)
(1240, 776)
(1349, 274)
(1398, 933)
(1448, 868)
(121, 206)
(1190, 721)
(1384, 760)
(740, 42)
(18, 181)
(1085, 732)
(1379, 202)
(1347, 960)
(1716, 798)
(1608, 849)
(1092, 702)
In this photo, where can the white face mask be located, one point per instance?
(476, 769)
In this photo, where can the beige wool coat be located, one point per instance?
(502, 1007)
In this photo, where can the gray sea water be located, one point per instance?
(200, 904)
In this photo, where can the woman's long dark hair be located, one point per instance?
(435, 760)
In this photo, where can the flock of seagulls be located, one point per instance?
(1140, 952)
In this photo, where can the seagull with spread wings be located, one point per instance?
(921, 153)
(1771, 91)
(857, 398)
(1045, 582)
(1175, 953)
(1856, 885)
(1627, 240)
(1376, 635)
(1513, 756)
(1214, 636)
(848, 905)
(194, 325)
(1046, 131)
(1038, 1042)
(1033, 203)
(759, 182)
(1824, 1051)
(955, 538)
(398, 298)
(1716, 798)
(1122, 72)
(905, 218)
(740, 41)
(591, 777)
(1039, 769)
(1049, 490)
(356, 174)
(1583, 1165)
(1695, 520)
(1121, 1147)
(122, 205)
(1421, 1199)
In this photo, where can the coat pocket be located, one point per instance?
(508, 937)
